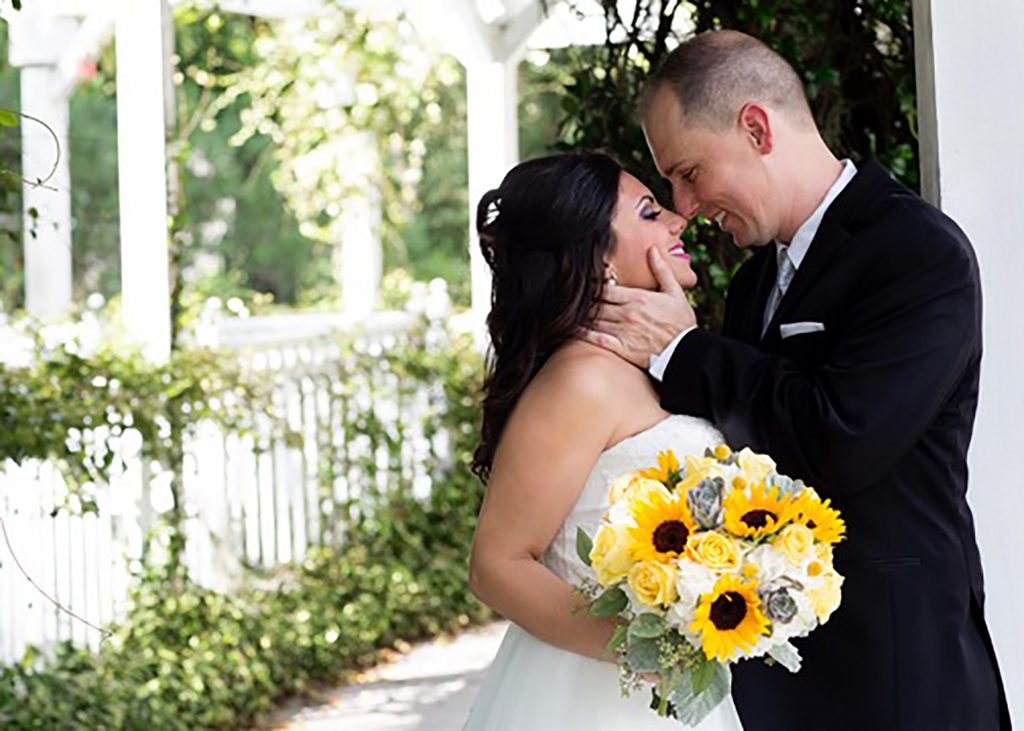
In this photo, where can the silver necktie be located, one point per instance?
(786, 273)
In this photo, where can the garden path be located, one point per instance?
(429, 688)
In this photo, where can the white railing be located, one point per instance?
(251, 500)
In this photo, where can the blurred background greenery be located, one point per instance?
(255, 221)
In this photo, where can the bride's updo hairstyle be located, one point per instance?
(544, 233)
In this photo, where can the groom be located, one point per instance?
(850, 354)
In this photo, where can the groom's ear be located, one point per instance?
(753, 120)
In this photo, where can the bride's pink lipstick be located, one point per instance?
(679, 252)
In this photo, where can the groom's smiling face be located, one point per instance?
(716, 173)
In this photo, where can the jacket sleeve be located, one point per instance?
(845, 425)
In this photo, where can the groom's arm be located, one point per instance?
(846, 424)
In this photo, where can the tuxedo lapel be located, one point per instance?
(826, 243)
(750, 314)
(853, 203)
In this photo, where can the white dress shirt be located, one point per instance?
(797, 250)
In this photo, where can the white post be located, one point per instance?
(36, 40)
(142, 69)
(358, 251)
(361, 262)
(969, 70)
(493, 130)
(47, 207)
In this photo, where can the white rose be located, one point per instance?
(692, 580)
(770, 563)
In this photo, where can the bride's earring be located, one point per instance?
(612, 279)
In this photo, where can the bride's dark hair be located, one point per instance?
(544, 233)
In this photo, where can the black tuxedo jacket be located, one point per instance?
(876, 412)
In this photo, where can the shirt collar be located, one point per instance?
(797, 248)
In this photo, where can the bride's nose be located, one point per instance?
(677, 224)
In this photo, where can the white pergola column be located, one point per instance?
(36, 41)
(47, 234)
(970, 80)
(493, 147)
(361, 261)
(142, 75)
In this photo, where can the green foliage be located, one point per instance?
(72, 409)
(856, 59)
(187, 657)
(10, 185)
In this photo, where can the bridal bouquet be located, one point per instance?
(713, 561)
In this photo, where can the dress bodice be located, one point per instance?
(682, 434)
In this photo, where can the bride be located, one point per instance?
(561, 419)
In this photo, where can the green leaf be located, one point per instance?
(702, 674)
(583, 545)
(691, 701)
(8, 118)
(787, 656)
(609, 604)
(643, 655)
(647, 626)
(616, 642)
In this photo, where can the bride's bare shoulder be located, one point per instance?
(579, 370)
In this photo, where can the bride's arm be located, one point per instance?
(547, 450)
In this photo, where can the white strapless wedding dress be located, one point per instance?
(534, 686)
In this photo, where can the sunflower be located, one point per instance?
(728, 618)
(667, 470)
(820, 517)
(762, 513)
(663, 523)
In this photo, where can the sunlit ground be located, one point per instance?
(432, 687)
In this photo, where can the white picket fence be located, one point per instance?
(245, 506)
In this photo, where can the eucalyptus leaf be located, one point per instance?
(617, 641)
(609, 604)
(702, 674)
(583, 545)
(642, 655)
(787, 656)
(692, 705)
(647, 626)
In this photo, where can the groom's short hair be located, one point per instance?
(714, 74)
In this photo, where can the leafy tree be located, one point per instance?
(855, 56)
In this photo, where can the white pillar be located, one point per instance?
(971, 101)
(47, 208)
(493, 129)
(360, 253)
(36, 41)
(142, 70)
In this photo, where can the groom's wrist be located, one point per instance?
(659, 363)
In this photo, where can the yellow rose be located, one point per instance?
(609, 556)
(619, 486)
(635, 488)
(713, 550)
(653, 583)
(642, 488)
(757, 467)
(795, 542)
(825, 599)
(823, 552)
(697, 469)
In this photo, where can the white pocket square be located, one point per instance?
(790, 329)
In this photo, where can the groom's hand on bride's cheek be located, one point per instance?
(637, 324)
